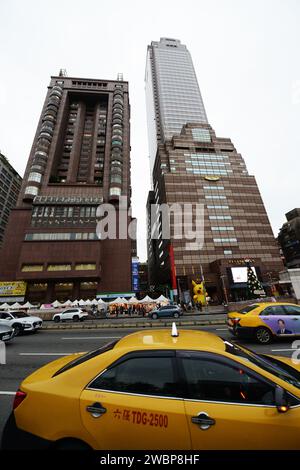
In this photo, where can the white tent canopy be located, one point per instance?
(117, 301)
(94, 302)
(75, 303)
(28, 305)
(16, 305)
(67, 303)
(56, 303)
(4, 306)
(146, 299)
(82, 302)
(100, 301)
(133, 300)
(162, 298)
(88, 302)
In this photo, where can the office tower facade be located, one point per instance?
(80, 159)
(289, 239)
(196, 167)
(10, 185)
(173, 96)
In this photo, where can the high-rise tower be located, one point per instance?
(191, 165)
(80, 158)
(173, 96)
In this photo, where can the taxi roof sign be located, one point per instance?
(174, 330)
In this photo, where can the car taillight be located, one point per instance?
(235, 321)
(19, 397)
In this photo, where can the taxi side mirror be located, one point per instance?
(280, 400)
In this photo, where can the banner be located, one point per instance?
(12, 288)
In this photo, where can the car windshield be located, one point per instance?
(19, 314)
(248, 309)
(269, 364)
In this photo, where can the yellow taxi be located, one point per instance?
(265, 321)
(186, 390)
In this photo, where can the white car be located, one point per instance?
(20, 321)
(75, 314)
(6, 332)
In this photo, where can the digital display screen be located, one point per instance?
(240, 274)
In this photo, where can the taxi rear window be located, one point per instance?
(86, 357)
(248, 309)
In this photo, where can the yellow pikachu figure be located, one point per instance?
(199, 293)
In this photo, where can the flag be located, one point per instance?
(255, 289)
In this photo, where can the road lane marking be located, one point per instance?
(221, 329)
(93, 337)
(278, 350)
(46, 354)
(7, 393)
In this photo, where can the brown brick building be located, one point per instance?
(80, 158)
(197, 167)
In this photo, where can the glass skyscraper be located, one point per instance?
(173, 96)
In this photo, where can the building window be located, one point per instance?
(30, 268)
(59, 267)
(85, 267)
(213, 187)
(215, 197)
(227, 252)
(222, 228)
(31, 190)
(115, 192)
(37, 177)
(219, 217)
(201, 135)
(217, 207)
(225, 240)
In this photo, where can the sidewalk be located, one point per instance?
(190, 319)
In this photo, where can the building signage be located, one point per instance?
(241, 261)
(212, 178)
(13, 288)
(135, 274)
(114, 295)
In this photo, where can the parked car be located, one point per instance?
(21, 321)
(166, 311)
(6, 332)
(75, 314)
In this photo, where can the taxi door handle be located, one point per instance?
(203, 420)
(96, 410)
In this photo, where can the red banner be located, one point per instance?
(173, 269)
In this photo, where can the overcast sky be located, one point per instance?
(246, 57)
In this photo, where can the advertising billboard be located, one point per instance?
(13, 288)
(239, 274)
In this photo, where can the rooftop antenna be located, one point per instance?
(63, 73)
(120, 77)
(174, 333)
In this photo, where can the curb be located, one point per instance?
(133, 325)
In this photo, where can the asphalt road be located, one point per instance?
(27, 353)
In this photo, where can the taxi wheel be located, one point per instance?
(176, 315)
(154, 316)
(57, 319)
(263, 335)
(76, 318)
(71, 444)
